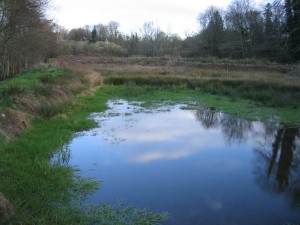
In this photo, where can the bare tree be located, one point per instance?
(25, 35)
(113, 31)
(237, 20)
(102, 31)
(60, 31)
(78, 34)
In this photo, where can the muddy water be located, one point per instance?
(203, 167)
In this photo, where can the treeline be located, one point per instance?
(26, 36)
(243, 31)
(240, 31)
(150, 40)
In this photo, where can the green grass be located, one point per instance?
(237, 106)
(51, 194)
(270, 94)
(38, 81)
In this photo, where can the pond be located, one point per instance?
(201, 166)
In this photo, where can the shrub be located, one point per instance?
(83, 47)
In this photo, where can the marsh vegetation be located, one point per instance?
(43, 107)
(52, 79)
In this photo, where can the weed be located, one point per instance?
(43, 90)
(47, 79)
(132, 90)
(7, 93)
(50, 110)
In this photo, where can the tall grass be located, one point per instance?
(271, 89)
(49, 110)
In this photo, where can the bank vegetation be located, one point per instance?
(243, 59)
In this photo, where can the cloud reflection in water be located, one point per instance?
(169, 135)
(202, 166)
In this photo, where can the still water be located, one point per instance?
(201, 166)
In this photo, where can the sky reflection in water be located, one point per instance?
(201, 166)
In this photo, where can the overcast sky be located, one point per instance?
(174, 16)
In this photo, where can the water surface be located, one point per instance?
(201, 166)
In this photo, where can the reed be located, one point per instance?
(269, 88)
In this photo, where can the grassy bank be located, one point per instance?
(239, 107)
(248, 91)
(40, 193)
(43, 107)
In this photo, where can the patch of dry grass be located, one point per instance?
(44, 95)
(271, 84)
(6, 210)
(12, 122)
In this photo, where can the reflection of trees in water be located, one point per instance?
(208, 118)
(277, 164)
(234, 129)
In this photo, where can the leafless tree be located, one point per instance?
(26, 36)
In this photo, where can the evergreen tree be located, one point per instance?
(268, 26)
(94, 35)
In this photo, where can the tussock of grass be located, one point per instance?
(58, 108)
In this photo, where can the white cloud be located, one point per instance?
(150, 156)
(177, 15)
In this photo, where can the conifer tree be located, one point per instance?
(94, 35)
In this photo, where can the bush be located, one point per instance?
(84, 47)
